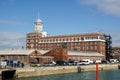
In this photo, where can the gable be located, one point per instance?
(35, 53)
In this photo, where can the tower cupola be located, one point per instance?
(38, 25)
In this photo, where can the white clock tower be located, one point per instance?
(38, 25)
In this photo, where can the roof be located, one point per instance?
(43, 51)
(38, 20)
(27, 52)
(20, 52)
(79, 34)
(115, 54)
(76, 53)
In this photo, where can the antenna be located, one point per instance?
(38, 15)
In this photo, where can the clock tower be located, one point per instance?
(38, 25)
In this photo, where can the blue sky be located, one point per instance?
(59, 17)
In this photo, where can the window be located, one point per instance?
(91, 47)
(22, 57)
(41, 40)
(102, 37)
(60, 39)
(7, 57)
(91, 37)
(13, 57)
(67, 39)
(77, 39)
(95, 47)
(83, 48)
(92, 43)
(31, 40)
(57, 40)
(2, 57)
(87, 48)
(95, 43)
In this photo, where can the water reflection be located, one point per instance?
(109, 75)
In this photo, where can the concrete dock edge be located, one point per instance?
(40, 71)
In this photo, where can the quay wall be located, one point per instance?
(39, 71)
(100, 67)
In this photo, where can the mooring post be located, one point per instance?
(79, 69)
(97, 71)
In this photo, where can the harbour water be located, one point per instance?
(103, 75)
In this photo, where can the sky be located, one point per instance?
(59, 17)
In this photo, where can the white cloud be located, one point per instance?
(107, 6)
(9, 40)
(10, 22)
(115, 38)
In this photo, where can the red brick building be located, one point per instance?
(23, 55)
(115, 53)
(87, 42)
(90, 42)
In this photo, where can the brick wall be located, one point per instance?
(58, 54)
